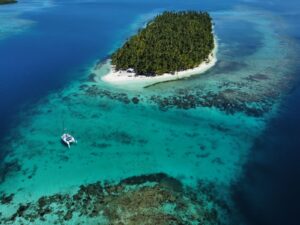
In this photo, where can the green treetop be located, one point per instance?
(172, 41)
(7, 1)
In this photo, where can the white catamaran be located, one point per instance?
(68, 139)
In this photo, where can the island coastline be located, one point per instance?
(132, 80)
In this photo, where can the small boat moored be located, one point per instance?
(68, 139)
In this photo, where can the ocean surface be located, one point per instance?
(218, 148)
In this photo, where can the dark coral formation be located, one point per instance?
(6, 199)
(94, 90)
(92, 77)
(135, 100)
(147, 199)
(7, 168)
(230, 101)
(119, 136)
(122, 137)
(257, 77)
(252, 94)
(230, 97)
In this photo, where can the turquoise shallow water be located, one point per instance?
(195, 130)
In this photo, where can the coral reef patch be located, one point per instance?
(7, 168)
(147, 199)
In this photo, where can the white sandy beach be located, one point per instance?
(132, 80)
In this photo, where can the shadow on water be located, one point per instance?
(268, 194)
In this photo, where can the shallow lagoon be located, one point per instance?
(200, 129)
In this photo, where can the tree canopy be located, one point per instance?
(7, 1)
(172, 41)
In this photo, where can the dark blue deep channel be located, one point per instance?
(268, 194)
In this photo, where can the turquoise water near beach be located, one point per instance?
(200, 129)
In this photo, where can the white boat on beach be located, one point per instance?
(68, 139)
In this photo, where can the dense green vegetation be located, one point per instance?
(173, 41)
(7, 1)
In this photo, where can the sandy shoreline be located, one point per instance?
(131, 80)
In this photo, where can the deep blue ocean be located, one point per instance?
(45, 46)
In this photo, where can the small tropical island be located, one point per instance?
(172, 46)
(2, 2)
